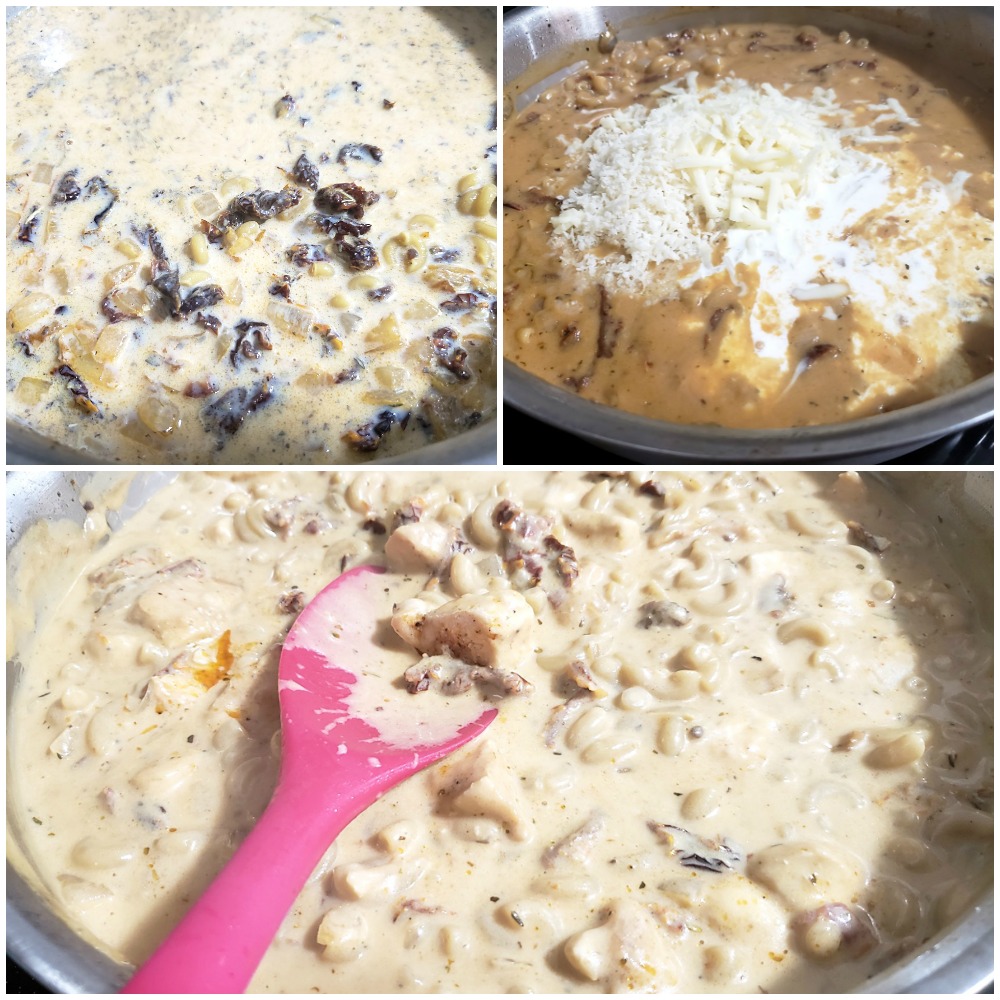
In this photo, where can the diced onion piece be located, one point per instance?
(29, 311)
(350, 321)
(206, 205)
(448, 279)
(239, 245)
(158, 415)
(120, 275)
(390, 397)
(390, 377)
(290, 319)
(110, 342)
(384, 336)
(61, 276)
(94, 372)
(421, 309)
(31, 390)
(314, 379)
(130, 301)
(236, 185)
(129, 248)
(76, 341)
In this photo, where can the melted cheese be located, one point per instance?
(752, 752)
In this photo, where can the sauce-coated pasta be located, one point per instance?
(743, 744)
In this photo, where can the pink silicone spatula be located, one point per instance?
(335, 763)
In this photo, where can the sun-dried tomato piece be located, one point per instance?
(450, 354)
(227, 413)
(67, 189)
(359, 151)
(346, 198)
(258, 206)
(305, 254)
(306, 173)
(369, 436)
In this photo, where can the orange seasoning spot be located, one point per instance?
(207, 670)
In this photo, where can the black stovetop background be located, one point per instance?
(529, 441)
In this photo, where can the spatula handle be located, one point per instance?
(217, 946)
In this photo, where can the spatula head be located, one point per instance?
(336, 702)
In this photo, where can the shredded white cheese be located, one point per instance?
(663, 183)
(735, 174)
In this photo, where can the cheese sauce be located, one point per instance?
(744, 738)
(250, 234)
(755, 225)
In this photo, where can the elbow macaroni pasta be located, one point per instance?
(799, 727)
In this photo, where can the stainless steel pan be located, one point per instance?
(539, 43)
(960, 960)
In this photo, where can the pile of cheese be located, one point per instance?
(737, 175)
(664, 183)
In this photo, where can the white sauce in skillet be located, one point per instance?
(278, 338)
(748, 745)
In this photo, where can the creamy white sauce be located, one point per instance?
(731, 667)
(178, 111)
